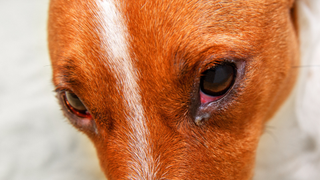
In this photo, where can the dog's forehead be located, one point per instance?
(81, 21)
(104, 31)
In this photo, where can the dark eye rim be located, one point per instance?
(79, 113)
(227, 90)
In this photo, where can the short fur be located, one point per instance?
(170, 44)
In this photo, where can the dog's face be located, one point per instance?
(173, 89)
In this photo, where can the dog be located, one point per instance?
(173, 89)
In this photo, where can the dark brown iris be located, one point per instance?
(217, 80)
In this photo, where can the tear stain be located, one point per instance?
(201, 118)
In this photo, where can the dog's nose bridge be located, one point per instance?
(143, 137)
(114, 35)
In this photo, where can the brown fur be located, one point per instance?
(173, 42)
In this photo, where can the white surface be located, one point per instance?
(290, 149)
(37, 143)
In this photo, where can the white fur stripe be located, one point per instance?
(115, 40)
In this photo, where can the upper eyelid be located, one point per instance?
(60, 89)
(210, 63)
(65, 81)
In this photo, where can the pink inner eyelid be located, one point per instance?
(204, 99)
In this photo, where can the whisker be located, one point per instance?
(269, 130)
(306, 66)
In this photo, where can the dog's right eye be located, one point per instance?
(216, 81)
(75, 105)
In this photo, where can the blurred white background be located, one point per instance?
(37, 142)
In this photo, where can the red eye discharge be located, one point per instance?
(75, 105)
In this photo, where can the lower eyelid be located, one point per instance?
(206, 99)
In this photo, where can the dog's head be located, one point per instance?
(173, 89)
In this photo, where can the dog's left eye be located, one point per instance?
(216, 81)
(75, 105)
